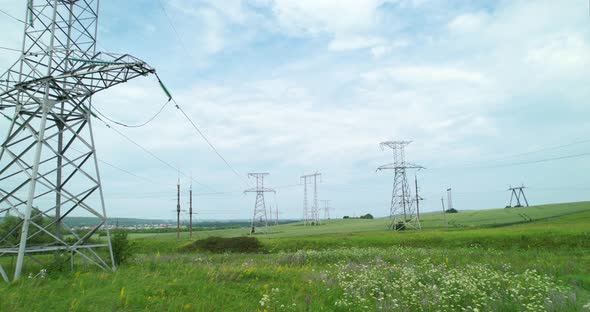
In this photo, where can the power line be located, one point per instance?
(12, 16)
(482, 164)
(134, 126)
(174, 28)
(544, 149)
(10, 49)
(153, 155)
(128, 172)
(105, 162)
(520, 163)
(181, 41)
(209, 142)
(538, 161)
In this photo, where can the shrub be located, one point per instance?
(12, 235)
(230, 244)
(452, 210)
(400, 226)
(122, 247)
(367, 216)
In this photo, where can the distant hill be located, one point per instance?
(125, 222)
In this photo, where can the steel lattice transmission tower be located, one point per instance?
(327, 209)
(516, 193)
(311, 215)
(402, 210)
(259, 217)
(48, 164)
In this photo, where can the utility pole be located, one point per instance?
(259, 217)
(517, 192)
(190, 210)
(178, 209)
(48, 149)
(311, 216)
(402, 211)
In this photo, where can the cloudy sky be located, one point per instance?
(488, 91)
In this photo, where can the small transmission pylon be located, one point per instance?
(450, 206)
(259, 217)
(311, 215)
(402, 210)
(517, 193)
(327, 209)
(48, 164)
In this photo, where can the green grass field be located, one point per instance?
(518, 259)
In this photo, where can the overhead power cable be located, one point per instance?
(544, 149)
(12, 16)
(181, 42)
(209, 143)
(539, 160)
(134, 126)
(178, 37)
(10, 49)
(154, 155)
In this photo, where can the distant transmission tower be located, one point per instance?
(418, 197)
(442, 201)
(402, 211)
(311, 215)
(190, 211)
(517, 192)
(276, 213)
(450, 199)
(326, 209)
(259, 217)
(48, 164)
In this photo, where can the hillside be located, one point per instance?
(487, 259)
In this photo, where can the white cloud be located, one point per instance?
(426, 75)
(469, 22)
(327, 16)
(354, 43)
(562, 52)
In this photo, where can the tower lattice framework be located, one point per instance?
(518, 194)
(259, 216)
(48, 164)
(402, 212)
(311, 215)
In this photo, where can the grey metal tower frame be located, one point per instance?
(402, 210)
(450, 199)
(259, 216)
(516, 193)
(327, 209)
(48, 164)
(311, 215)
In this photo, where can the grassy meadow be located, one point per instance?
(518, 259)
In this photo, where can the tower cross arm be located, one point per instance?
(85, 77)
(262, 189)
(391, 166)
(386, 167)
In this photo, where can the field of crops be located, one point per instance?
(529, 259)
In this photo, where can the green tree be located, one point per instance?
(122, 247)
(10, 228)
